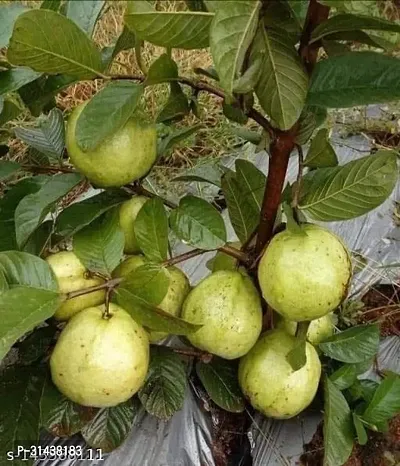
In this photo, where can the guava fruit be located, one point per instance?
(305, 276)
(72, 275)
(319, 329)
(120, 158)
(268, 381)
(228, 306)
(99, 361)
(178, 289)
(127, 216)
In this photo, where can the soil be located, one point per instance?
(381, 449)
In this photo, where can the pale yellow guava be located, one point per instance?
(100, 362)
(127, 216)
(319, 329)
(305, 276)
(268, 381)
(72, 275)
(228, 306)
(120, 158)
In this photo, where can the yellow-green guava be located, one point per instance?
(178, 289)
(99, 361)
(72, 275)
(319, 329)
(120, 158)
(127, 216)
(268, 381)
(228, 306)
(305, 276)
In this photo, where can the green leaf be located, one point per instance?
(344, 377)
(39, 239)
(8, 169)
(151, 230)
(177, 105)
(100, 245)
(234, 112)
(283, 84)
(223, 261)
(281, 15)
(61, 416)
(50, 5)
(8, 14)
(347, 22)
(362, 436)
(111, 426)
(36, 345)
(48, 137)
(11, 109)
(79, 215)
(198, 223)
(20, 393)
(338, 426)
(297, 357)
(232, 32)
(307, 125)
(353, 36)
(321, 154)
(353, 345)
(126, 41)
(183, 29)
(244, 217)
(11, 80)
(106, 112)
(350, 190)
(252, 182)
(35, 43)
(385, 403)
(335, 84)
(85, 14)
(177, 136)
(161, 70)
(33, 208)
(219, 378)
(163, 392)
(368, 389)
(206, 172)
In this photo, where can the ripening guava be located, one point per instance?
(319, 329)
(305, 276)
(178, 289)
(127, 216)
(269, 382)
(99, 361)
(71, 275)
(120, 158)
(228, 306)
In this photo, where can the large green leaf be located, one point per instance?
(48, 137)
(106, 112)
(151, 230)
(11, 80)
(243, 215)
(50, 5)
(334, 82)
(110, 427)
(61, 416)
(161, 70)
(321, 153)
(349, 190)
(344, 377)
(198, 223)
(354, 345)
(163, 392)
(33, 208)
(206, 172)
(283, 83)
(81, 214)
(20, 393)
(183, 29)
(85, 14)
(176, 107)
(8, 14)
(100, 245)
(252, 182)
(232, 31)
(126, 41)
(219, 378)
(347, 22)
(338, 426)
(47, 41)
(8, 169)
(386, 401)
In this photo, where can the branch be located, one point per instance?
(48, 169)
(296, 195)
(138, 189)
(108, 285)
(192, 353)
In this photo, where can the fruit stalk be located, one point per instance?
(110, 284)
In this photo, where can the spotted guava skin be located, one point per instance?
(319, 329)
(268, 381)
(305, 276)
(127, 215)
(100, 362)
(228, 306)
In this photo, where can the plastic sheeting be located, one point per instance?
(185, 440)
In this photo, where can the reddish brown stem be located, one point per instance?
(192, 353)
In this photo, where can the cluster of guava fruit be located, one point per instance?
(101, 358)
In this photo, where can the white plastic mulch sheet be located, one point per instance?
(185, 440)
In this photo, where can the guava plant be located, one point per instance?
(89, 286)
